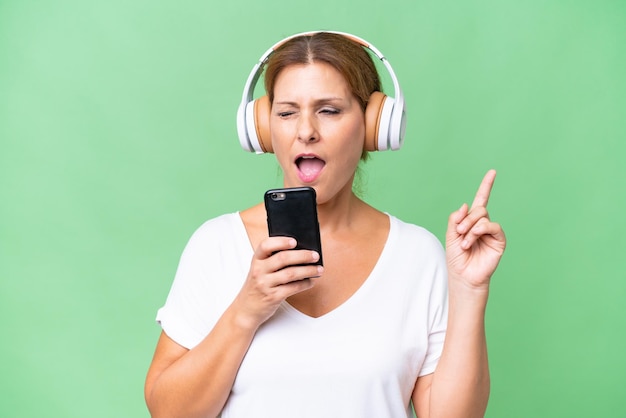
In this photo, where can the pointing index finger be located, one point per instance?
(484, 190)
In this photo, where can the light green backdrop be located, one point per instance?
(118, 139)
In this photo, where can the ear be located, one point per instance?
(262, 109)
(373, 113)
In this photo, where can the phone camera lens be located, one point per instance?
(277, 196)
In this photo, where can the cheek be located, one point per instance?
(355, 139)
(281, 145)
(278, 135)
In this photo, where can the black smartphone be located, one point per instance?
(292, 212)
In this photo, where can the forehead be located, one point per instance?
(310, 78)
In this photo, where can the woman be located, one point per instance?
(251, 330)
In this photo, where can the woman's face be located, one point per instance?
(317, 129)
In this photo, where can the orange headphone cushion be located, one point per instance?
(373, 113)
(262, 109)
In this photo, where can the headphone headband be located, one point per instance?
(390, 117)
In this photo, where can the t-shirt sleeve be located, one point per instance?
(437, 312)
(203, 287)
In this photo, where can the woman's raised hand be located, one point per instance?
(474, 244)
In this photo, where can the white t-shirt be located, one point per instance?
(360, 360)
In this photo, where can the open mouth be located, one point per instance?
(309, 167)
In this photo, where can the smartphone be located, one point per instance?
(292, 212)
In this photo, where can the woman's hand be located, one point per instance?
(474, 244)
(276, 272)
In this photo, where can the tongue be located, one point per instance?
(311, 166)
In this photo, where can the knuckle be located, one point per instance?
(283, 257)
(305, 284)
(480, 212)
(263, 249)
(289, 274)
(255, 271)
(272, 296)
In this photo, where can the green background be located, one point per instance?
(118, 139)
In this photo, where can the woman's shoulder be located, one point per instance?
(217, 229)
(218, 223)
(245, 227)
(409, 233)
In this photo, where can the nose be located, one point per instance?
(307, 128)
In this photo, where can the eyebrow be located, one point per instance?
(321, 101)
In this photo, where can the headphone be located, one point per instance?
(385, 117)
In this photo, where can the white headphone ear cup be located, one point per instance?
(397, 125)
(251, 128)
(242, 130)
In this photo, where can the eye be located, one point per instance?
(285, 114)
(330, 111)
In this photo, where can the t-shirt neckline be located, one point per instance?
(374, 276)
